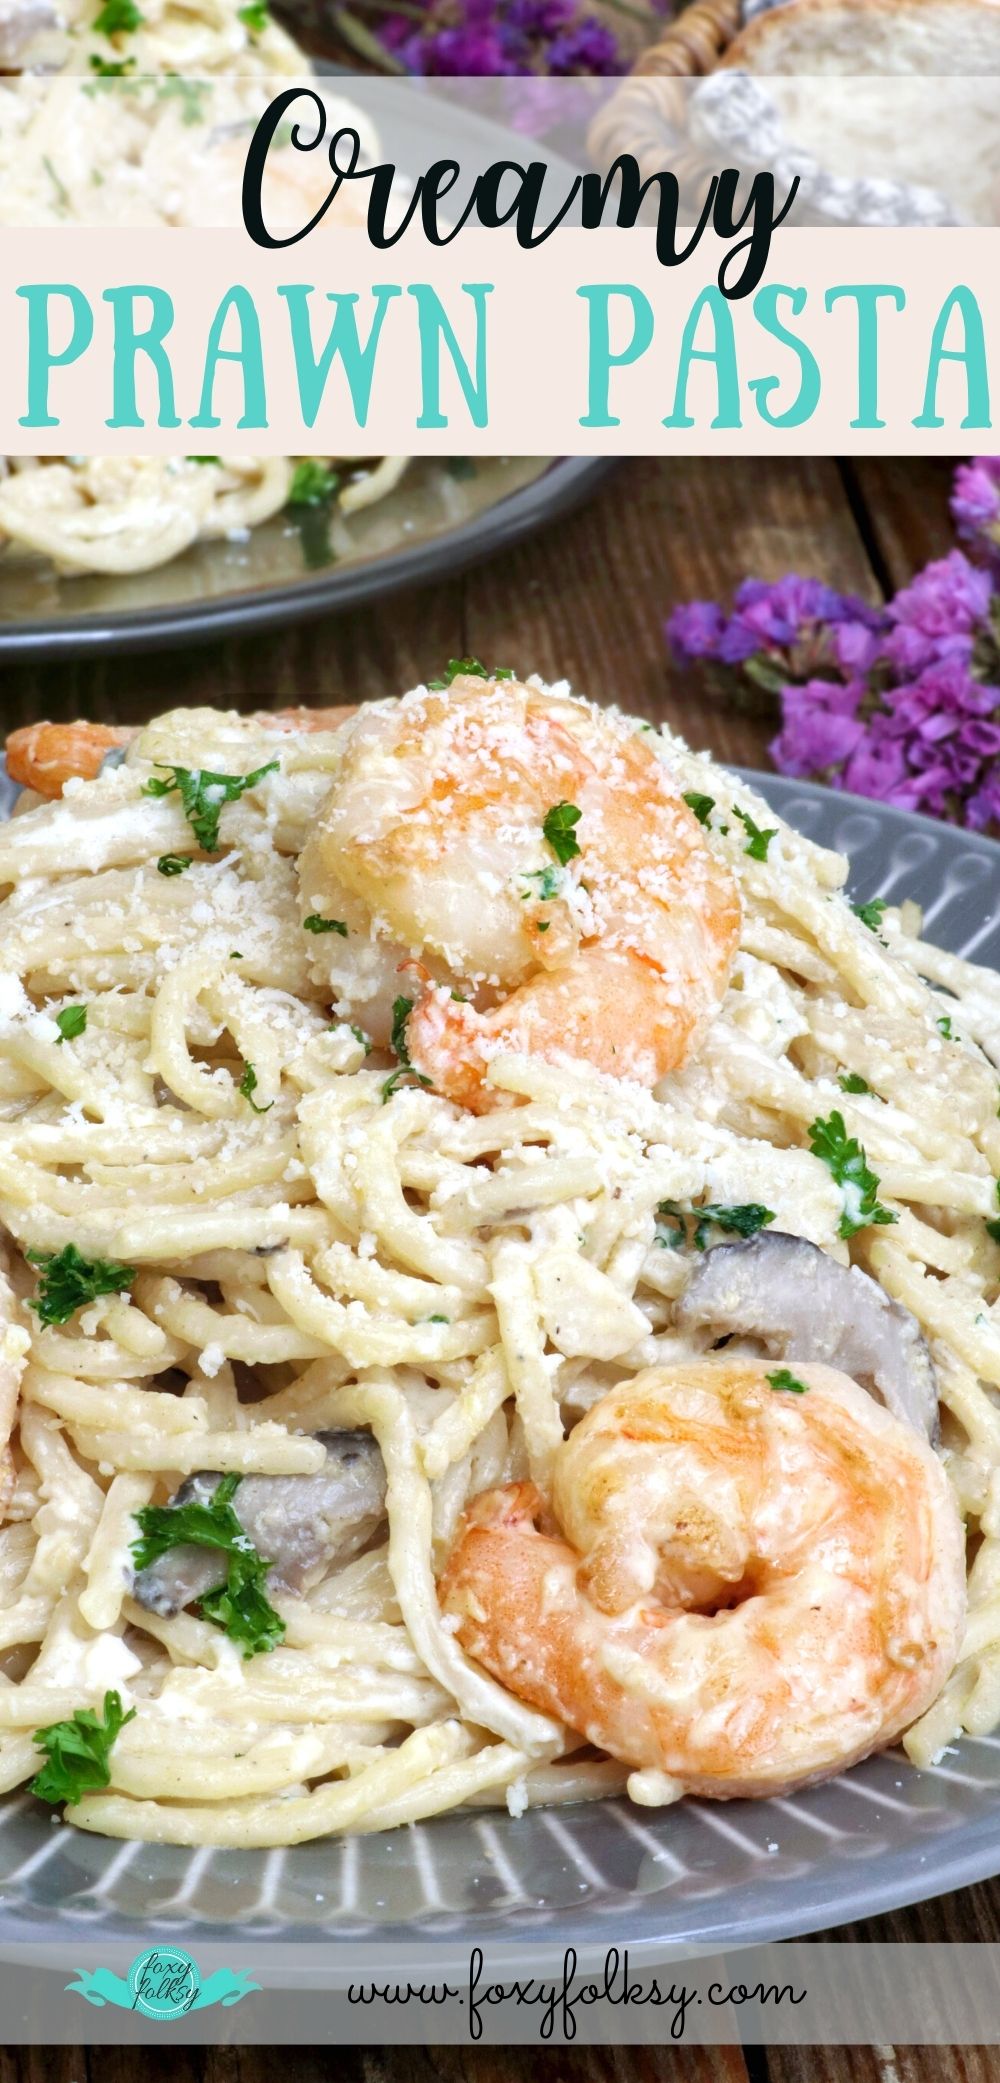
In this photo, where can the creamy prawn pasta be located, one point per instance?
(112, 115)
(501, 1268)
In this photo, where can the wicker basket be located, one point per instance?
(643, 117)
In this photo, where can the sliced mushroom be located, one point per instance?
(295, 1521)
(804, 1305)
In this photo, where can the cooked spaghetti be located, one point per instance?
(302, 1247)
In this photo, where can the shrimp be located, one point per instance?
(531, 861)
(742, 1588)
(44, 756)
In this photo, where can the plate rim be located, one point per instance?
(565, 483)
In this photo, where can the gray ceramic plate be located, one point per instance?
(702, 1872)
(441, 517)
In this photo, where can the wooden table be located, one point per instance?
(585, 601)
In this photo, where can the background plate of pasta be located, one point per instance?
(114, 115)
(498, 1383)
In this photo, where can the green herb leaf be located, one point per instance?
(846, 1161)
(557, 825)
(118, 17)
(77, 1752)
(870, 914)
(203, 795)
(744, 1219)
(248, 1086)
(191, 96)
(702, 806)
(71, 1022)
(240, 1605)
(401, 1010)
(62, 192)
(107, 69)
(69, 1281)
(203, 459)
(313, 482)
(782, 1378)
(944, 1027)
(254, 16)
(757, 841)
(549, 883)
(364, 1039)
(315, 924)
(852, 1081)
(469, 669)
(173, 863)
(993, 1228)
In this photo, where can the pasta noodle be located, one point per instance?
(305, 1256)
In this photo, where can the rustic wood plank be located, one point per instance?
(481, 2065)
(882, 2064)
(905, 503)
(372, 651)
(588, 599)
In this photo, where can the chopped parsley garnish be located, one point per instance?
(852, 1081)
(315, 924)
(69, 1281)
(846, 1161)
(313, 482)
(191, 95)
(173, 863)
(203, 459)
(77, 1752)
(62, 192)
(870, 914)
(757, 841)
(783, 1378)
(255, 16)
(248, 1086)
(702, 806)
(118, 17)
(240, 1605)
(401, 1010)
(109, 69)
(944, 1027)
(993, 1228)
(71, 1022)
(557, 825)
(469, 669)
(742, 1220)
(203, 795)
(549, 883)
(364, 1039)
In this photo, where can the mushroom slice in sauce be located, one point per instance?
(295, 1521)
(804, 1305)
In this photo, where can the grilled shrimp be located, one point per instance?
(529, 860)
(739, 1586)
(44, 756)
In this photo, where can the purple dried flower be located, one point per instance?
(975, 504)
(939, 613)
(694, 630)
(900, 703)
(502, 38)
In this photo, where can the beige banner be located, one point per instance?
(148, 341)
